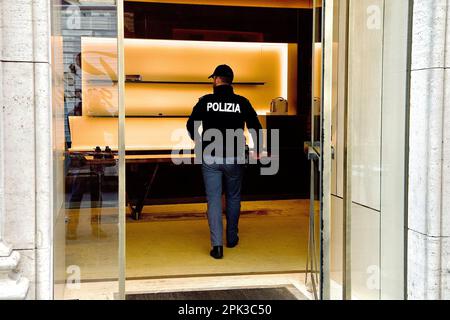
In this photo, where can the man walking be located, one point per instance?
(223, 116)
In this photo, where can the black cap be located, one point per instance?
(223, 71)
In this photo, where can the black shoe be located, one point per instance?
(217, 252)
(233, 244)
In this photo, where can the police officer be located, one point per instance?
(223, 114)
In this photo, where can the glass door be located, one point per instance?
(88, 150)
(364, 111)
(329, 28)
(325, 249)
(337, 93)
(314, 257)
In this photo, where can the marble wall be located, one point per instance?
(25, 92)
(429, 178)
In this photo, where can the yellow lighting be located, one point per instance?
(317, 70)
(140, 134)
(246, 3)
(169, 61)
(180, 61)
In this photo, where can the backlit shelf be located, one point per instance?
(175, 82)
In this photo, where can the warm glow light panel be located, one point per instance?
(183, 64)
(249, 3)
(175, 74)
(140, 134)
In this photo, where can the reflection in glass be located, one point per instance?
(87, 165)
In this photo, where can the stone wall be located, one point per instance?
(429, 166)
(25, 164)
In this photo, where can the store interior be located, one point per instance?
(170, 50)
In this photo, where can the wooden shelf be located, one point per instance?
(177, 82)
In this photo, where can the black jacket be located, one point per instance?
(223, 110)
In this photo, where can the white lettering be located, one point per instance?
(223, 107)
(374, 16)
(197, 310)
(74, 277)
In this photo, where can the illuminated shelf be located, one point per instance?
(177, 82)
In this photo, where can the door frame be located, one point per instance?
(325, 158)
(325, 143)
(121, 147)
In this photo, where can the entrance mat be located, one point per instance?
(277, 293)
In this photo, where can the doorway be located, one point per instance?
(264, 53)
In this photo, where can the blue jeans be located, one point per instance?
(212, 176)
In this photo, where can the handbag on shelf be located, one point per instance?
(279, 106)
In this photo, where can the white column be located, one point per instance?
(429, 182)
(12, 284)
